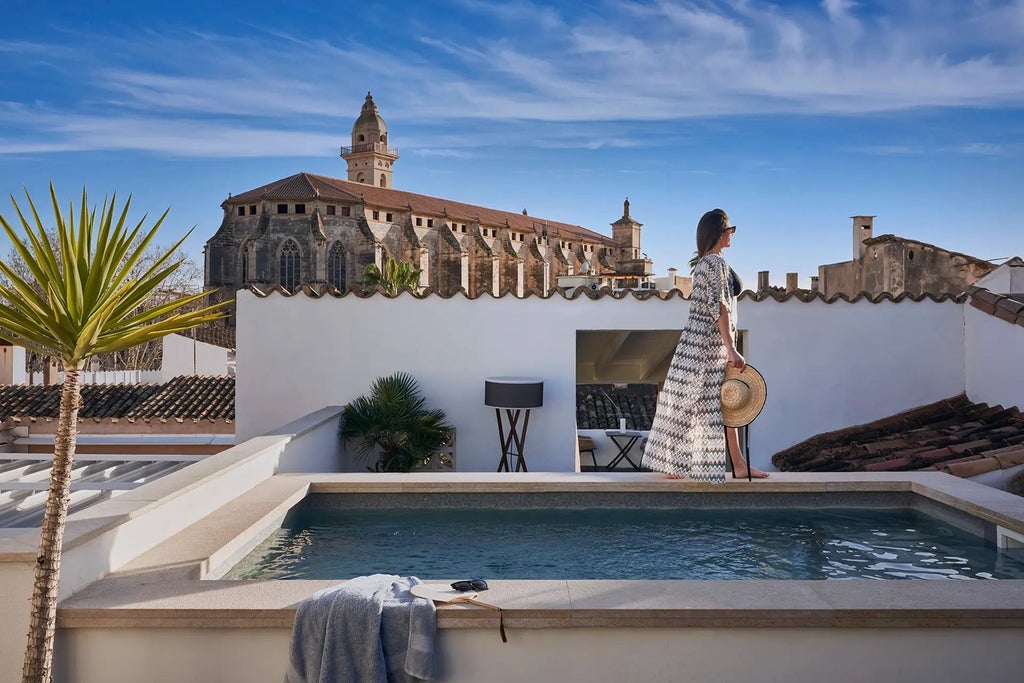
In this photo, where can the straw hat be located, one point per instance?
(743, 396)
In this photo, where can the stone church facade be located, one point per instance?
(310, 229)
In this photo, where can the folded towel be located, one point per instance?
(370, 629)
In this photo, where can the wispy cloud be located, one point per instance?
(601, 63)
(886, 150)
(448, 153)
(982, 149)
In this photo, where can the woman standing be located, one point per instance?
(688, 438)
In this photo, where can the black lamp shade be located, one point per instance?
(513, 392)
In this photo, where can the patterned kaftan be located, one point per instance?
(687, 437)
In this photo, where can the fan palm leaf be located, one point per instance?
(394, 423)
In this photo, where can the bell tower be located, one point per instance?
(370, 160)
(626, 231)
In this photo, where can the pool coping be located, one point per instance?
(165, 588)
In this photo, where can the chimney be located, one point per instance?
(791, 282)
(762, 281)
(672, 276)
(863, 229)
(814, 283)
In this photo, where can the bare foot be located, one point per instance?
(754, 474)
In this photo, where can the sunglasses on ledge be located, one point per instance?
(470, 585)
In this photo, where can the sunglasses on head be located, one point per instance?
(470, 585)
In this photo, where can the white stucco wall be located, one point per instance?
(605, 655)
(1004, 279)
(995, 359)
(827, 365)
(12, 364)
(185, 356)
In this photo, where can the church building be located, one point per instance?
(310, 229)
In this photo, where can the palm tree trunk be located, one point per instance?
(38, 666)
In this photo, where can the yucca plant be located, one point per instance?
(85, 303)
(394, 423)
(395, 275)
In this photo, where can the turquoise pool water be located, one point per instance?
(797, 543)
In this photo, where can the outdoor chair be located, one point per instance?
(586, 444)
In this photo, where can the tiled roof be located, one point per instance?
(309, 186)
(954, 435)
(216, 333)
(600, 406)
(1008, 307)
(882, 239)
(185, 397)
(190, 397)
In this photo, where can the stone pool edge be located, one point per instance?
(165, 588)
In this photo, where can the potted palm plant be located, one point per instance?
(393, 423)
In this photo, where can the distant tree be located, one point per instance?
(693, 262)
(394, 276)
(85, 297)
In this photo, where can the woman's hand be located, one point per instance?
(736, 360)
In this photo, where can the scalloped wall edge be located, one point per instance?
(319, 291)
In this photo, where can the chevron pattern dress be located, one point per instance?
(687, 437)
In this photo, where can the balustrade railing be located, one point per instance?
(370, 147)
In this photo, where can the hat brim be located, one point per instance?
(439, 592)
(747, 413)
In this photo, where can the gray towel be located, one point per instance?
(370, 629)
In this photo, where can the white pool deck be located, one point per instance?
(142, 601)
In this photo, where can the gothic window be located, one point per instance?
(383, 181)
(360, 178)
(248, 254)
(336, 266)
(291, 262)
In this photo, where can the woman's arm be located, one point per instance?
(725, 329)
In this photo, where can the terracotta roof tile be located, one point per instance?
(973, 468)
(599, 406)
(310, 186)
(185, 397)
(1008, 307)
(581, 292)
(216, 333)
(953, 435)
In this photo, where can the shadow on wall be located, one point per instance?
(601, 406)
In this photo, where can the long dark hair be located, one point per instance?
(711, 226)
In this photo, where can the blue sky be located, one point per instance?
(792, 116)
